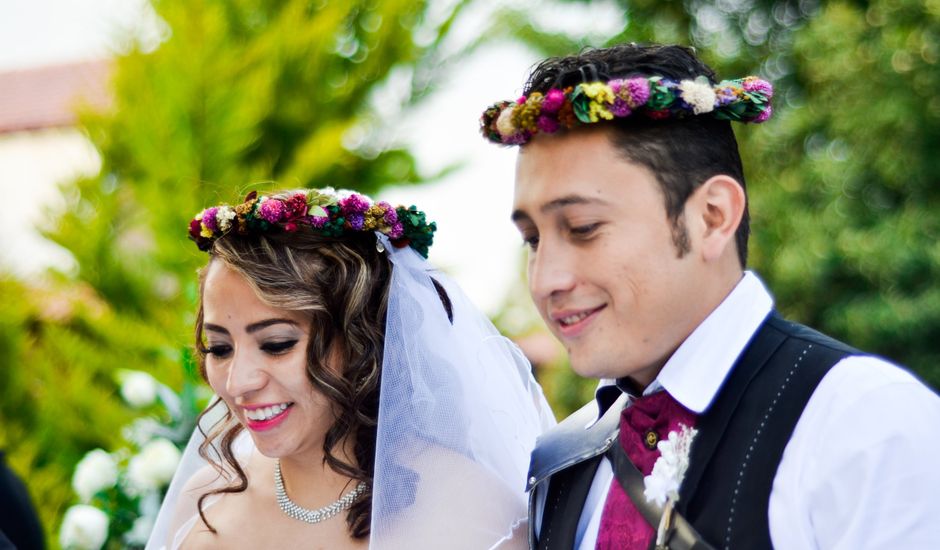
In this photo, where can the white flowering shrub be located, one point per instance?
(119, 492)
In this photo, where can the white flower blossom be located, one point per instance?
(669, 470)
(153, 467)
(139, 389)
(504, 123)
(140, 531)
(224, 216)
(84, 527)
(699, 95)
(96, 471)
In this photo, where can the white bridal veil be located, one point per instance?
(459, 413)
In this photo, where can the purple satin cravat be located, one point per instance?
(642, 424)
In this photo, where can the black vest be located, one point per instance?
(734, 458)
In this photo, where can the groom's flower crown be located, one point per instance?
(324, 211)
(514, 123)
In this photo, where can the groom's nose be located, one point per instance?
(552, 270)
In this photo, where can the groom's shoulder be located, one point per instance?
(582, 435)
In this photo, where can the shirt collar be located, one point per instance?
(695, 372)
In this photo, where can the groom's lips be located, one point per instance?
(572, 322)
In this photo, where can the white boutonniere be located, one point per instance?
(669, 470)
(662, 485)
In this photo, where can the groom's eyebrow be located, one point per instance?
(555, 204)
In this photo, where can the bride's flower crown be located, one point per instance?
(324, 211)
(514, 123)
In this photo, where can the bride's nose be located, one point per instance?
(246, 374)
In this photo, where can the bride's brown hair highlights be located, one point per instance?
(341, 285)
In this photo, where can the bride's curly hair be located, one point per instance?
(341, 285)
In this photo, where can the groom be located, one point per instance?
(716, 423)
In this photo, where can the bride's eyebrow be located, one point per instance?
(255, 327)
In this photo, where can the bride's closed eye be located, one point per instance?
(278, 347)
(219, 351)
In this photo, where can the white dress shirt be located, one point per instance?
(862, 468)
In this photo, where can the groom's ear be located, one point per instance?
(718, 207)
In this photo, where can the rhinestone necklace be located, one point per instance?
(297, 511)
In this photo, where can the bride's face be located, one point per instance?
(256, 361)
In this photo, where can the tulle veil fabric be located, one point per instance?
(459, 413)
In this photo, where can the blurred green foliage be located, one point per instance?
(237, 95)
(843, 181)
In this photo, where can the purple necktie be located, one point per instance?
(642, 424)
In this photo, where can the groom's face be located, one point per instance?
(604, 270)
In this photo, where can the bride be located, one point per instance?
(362, 401)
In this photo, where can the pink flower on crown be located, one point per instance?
(765, 114)
(272, 210)
(547, 124)
(296, 205)
(208, 218)
(195, 228)
(553, 101)
(754, 84)
(354, 204)
(637, 92)
(521, 100)
(396, 231)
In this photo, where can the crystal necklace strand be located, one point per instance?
(297, 511)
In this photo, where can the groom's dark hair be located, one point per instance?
(681, 153)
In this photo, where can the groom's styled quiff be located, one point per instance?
(681, 153)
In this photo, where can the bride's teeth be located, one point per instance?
(265, 413)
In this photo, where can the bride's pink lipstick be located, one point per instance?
(263, 425)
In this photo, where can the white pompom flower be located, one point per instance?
(84, 527)
(96, 471)
(669, 469)
(139, 389)
(699, 94)
(504, 123)
(154, 467)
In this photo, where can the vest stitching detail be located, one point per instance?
(754, 440)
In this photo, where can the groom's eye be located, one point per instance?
(531, 241)
(584, 231)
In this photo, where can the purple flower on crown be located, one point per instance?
(391, 215)
(547, 124)
(208, 219)
(316, 221)
(516, 139)
(620, 108)
(553, 101)
(355, 221)
(354, 204)
(396, 231)
(759, 85)
(272, 210)
(637, 92)
(726, 95)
